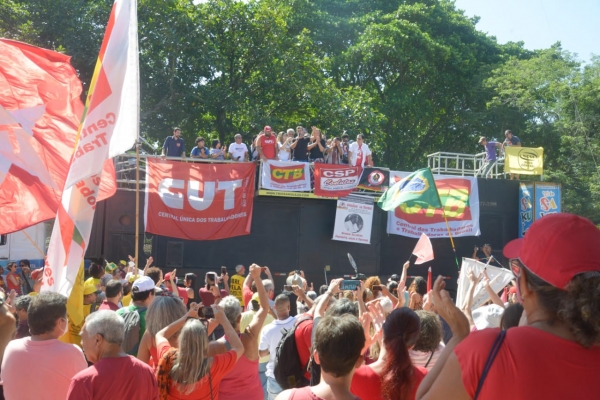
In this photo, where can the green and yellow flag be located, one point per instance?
(416, 189)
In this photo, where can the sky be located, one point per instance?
(540, 23)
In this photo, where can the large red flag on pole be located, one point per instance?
(40, 112)
(109, 127)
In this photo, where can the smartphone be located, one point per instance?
(376, 287)
(212, 276)
(223, 270)
(349, 284)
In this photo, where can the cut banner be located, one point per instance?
(109, 127)
(523, 160)
(354, 219)
(199, 201)
(335, 180)
(287, 176)
(499, 278)
(460, 201)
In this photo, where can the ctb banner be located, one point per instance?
(286, 176)
(333, 180)
(460, 202)
(199, 201)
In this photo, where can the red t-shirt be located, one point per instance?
(366, 383)
(303, 336)
(107, 305)
(222, 364)
(531, 364)
(182, 293)
(115, 378)
(268, 145)
(247, 295)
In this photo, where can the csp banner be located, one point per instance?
(460, 198)
(354, 219)
(335, 180)
(523, 160)
(547, 199)
(198, 201)
(287, 176)
(525, 207)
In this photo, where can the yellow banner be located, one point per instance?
(524, 160)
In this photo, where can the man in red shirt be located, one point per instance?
(115, 374)
(114, 294)
(266, 144)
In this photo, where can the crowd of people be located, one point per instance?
(147, 336)
(291, 145)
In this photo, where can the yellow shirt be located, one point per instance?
(235, 287)
(72, 335)
(126, 300)
(245, 321)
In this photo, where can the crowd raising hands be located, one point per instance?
(537, 339)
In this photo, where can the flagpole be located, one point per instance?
(137, 201)
(447, 225)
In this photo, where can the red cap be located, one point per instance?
(267, 128)
(558, 247)
(36, 274)
(167, 276)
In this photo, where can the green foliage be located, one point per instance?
(416, 77)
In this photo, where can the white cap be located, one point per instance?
(487, 316)
(143, 284)
(294, 280)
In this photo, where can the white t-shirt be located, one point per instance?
(284, 152)
(50, 363)
(269, 339)
(420, 358)
(238, 150)
(363, 152)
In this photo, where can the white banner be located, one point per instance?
(288, 176)
(460, 198)
(354, 219)
(499, 278)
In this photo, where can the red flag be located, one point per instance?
(429, 280)
(40, 112)
(423, 250)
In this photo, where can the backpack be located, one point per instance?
(288, 369)
(133, 320)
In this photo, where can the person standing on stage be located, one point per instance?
(490, 156)
(174, 146)
(511, 140)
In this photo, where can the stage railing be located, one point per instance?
(445, 163)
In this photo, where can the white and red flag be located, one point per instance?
(40, 112)
(109, 127)
(423, 250)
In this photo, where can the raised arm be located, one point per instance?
(302, 296)
(469, 308)
(334, 288)
(488, 288)
(259, 318)
(162, 337)
(232, 336)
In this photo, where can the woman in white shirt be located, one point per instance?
(284, 141)
(359, 153)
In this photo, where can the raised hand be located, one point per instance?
(255, 271)
(193, 311)
(458, 322)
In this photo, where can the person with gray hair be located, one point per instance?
(243, 380)
(115, 374)
(238, 151)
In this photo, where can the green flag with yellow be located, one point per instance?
(416, 189)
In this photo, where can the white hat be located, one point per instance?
(487, 316)
(143, 284)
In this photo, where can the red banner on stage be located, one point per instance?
(198, 201)
(334, 180)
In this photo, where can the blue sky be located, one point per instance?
(540, 23)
